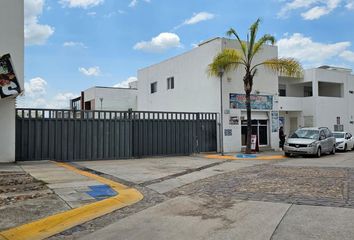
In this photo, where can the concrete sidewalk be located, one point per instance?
(71, 187)
(195, 218)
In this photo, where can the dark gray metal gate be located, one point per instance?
(68, 135)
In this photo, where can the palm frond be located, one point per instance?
(242, 43)
(228, 59)
(252, 39)
(267, 38)
(284, 66)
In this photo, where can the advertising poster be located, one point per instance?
(281, 121)
(275, 121)
(260, 102)
(9, 86)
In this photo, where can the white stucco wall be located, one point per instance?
(11, 41)
(115, 99)
(195, 91)
(324, 110)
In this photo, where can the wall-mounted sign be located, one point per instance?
(228, 132)
(275, 121)
(260, 102)
(9, 86)
(234, 120)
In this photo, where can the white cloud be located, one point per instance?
(133, 3)
(36, 96)
(35, 33)
(125, 83)
(348, 55)
(350, 5)
(91, 71)
(199, 17)
(312, 53)
(196, 18)
(64, 98)
(81, 3)
(35, 87)
(159, 43)
(74, 44)
(313, 9)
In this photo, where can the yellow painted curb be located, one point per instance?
(229, 157)
(49, 226)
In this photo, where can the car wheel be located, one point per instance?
(287, 154)
(318, 154)
(333, 150)
(345, 147)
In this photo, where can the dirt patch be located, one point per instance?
(24, 199)
(20, 186)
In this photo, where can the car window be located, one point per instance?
(338, 135)
(322, 134)
(327, 132)
(305, 133)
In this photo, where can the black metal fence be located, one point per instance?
(51, 134)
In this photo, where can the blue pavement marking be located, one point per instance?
(100, 192)
(246, 156)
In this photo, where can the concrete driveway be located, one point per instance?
(296, 198)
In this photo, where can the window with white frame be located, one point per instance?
(170, 83)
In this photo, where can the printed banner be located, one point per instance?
(9, 86)
(275, 121)
(260, 102)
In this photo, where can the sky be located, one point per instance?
(72, 45)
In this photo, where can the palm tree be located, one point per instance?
(231, 59)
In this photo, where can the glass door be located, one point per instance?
(259, 128)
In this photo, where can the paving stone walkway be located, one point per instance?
(298, 185)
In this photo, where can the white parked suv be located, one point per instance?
(344, 141)
(310, 141)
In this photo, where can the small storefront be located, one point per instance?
(259, 128)
(265, 122)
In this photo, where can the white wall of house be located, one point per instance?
(11, 41)
(195, 91)
(114, 99)
(331, 99)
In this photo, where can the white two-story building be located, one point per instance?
(323, 97)
(107, 98)
(182, 84)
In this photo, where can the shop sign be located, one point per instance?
(259, 102)
(9, 86)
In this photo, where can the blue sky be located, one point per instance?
(72, 45)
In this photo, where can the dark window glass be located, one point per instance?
(153, 87)
(170, 83)
(282, 92)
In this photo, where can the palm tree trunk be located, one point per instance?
(248, 83)
(249, 122)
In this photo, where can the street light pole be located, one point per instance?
(101, 99)
(221, 73)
